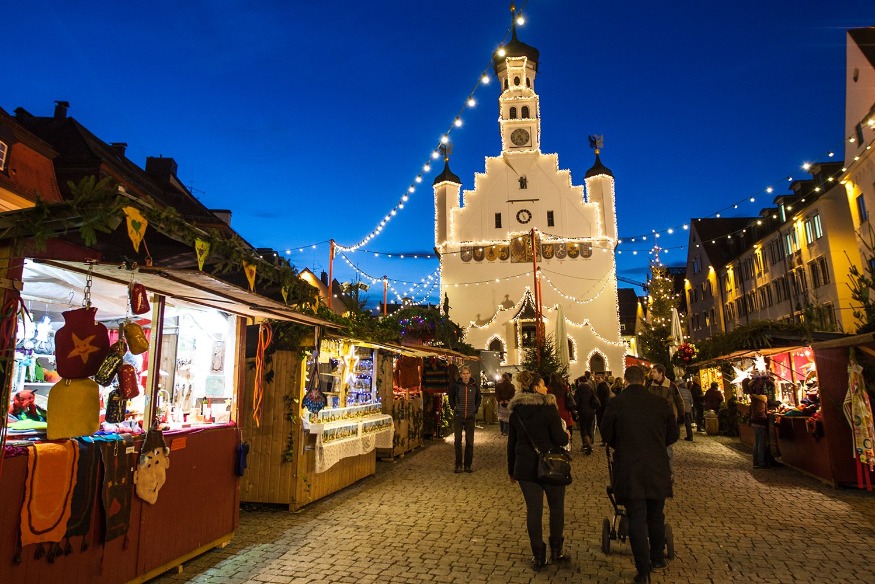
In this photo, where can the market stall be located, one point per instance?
(319, 424)
(134, 416)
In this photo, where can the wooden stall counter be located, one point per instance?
(801, 450)
(197, 509)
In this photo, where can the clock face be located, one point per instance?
(523, 216)
(519, 137)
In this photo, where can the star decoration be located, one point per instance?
(759, 363)
(82, 348)
(741, 374)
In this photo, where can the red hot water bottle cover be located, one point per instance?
(81, 344)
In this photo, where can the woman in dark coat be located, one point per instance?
(535, 418)
(587, 403)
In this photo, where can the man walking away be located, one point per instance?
(465, 400)
(639, 426)
(687, 396)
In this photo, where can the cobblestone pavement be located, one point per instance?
(417, 521)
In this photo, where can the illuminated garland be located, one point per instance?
(573, 299)
(470, 102)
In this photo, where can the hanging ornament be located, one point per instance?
(285, 292)
(202, 249)
(137, 342)
(249, 270)
(139, 298)
(151, 472)
(136, 226)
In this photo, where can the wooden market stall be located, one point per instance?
(189, 379)
(825, 449)
(298, 456)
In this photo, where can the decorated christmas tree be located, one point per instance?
(655, 336)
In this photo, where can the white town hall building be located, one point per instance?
(485, 244)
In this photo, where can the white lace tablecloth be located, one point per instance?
(330, 453)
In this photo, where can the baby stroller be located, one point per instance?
(618, 528)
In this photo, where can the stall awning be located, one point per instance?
(407, 350)
(194, 287)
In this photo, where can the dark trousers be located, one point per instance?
(646, 531)
(467, 424)
(688, 424)
(699, 413)
(533, 493)
(760, 444)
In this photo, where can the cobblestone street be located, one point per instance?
(417, 521)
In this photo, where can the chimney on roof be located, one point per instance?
(162, 169)
(61, 109)
(222, 214)
(119, 147)
(324, 277)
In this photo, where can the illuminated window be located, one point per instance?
(861, 208)
(4, 149)
(818, 228)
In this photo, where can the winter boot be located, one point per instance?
(556, 554)
(539, 556)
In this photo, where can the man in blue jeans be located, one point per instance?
(465, 400)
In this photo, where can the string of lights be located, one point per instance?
(604, 282)
(469, 102)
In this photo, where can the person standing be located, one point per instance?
(713, 397)
(640, 426)
(698, 405)
(564, 402)
(465, 400)
(587, 404)
(603, 393)
(660, 385)
(504, 391)
(534, 420)
(687, 396)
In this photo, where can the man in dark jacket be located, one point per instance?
(603, 393)
(465, 400)
(639, 426)
(587, 403)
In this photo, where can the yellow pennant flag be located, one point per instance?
(285, 292)
(136, 226)
(202, 249)
(249, 269)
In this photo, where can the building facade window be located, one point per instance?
(809, 232)
(818, 226)
(4, 150)
(861, 208)
(525, 112)
(513, 113)
(815, 274)
(824, 270)
(498, 220)
(550, 222)
(697, 264)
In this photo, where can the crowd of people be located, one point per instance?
(638, 416)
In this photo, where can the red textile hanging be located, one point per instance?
(265, 336)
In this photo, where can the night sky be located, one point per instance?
(311, 120)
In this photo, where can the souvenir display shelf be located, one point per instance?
(351, 436)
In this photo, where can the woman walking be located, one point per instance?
(534, 419)
(564, 403)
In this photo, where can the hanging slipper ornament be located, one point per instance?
(82, 343)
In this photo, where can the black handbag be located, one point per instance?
(554, 468)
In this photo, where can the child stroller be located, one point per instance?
(618, 528)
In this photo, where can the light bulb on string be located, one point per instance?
(471, 102)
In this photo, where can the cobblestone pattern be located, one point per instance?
(416, 521)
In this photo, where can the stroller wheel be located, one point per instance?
(669, 542)
(623, 530)
(606, 536)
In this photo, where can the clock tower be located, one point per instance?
(516, 65)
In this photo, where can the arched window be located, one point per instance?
(528, 82)
(525, 112)
(516, 80)
(571, 355)
(497, 346)
(506, 84)
(513, 113)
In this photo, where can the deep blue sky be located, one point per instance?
(310, 120)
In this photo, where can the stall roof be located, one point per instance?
(764, 352)
(853, 341)
(196, 288)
